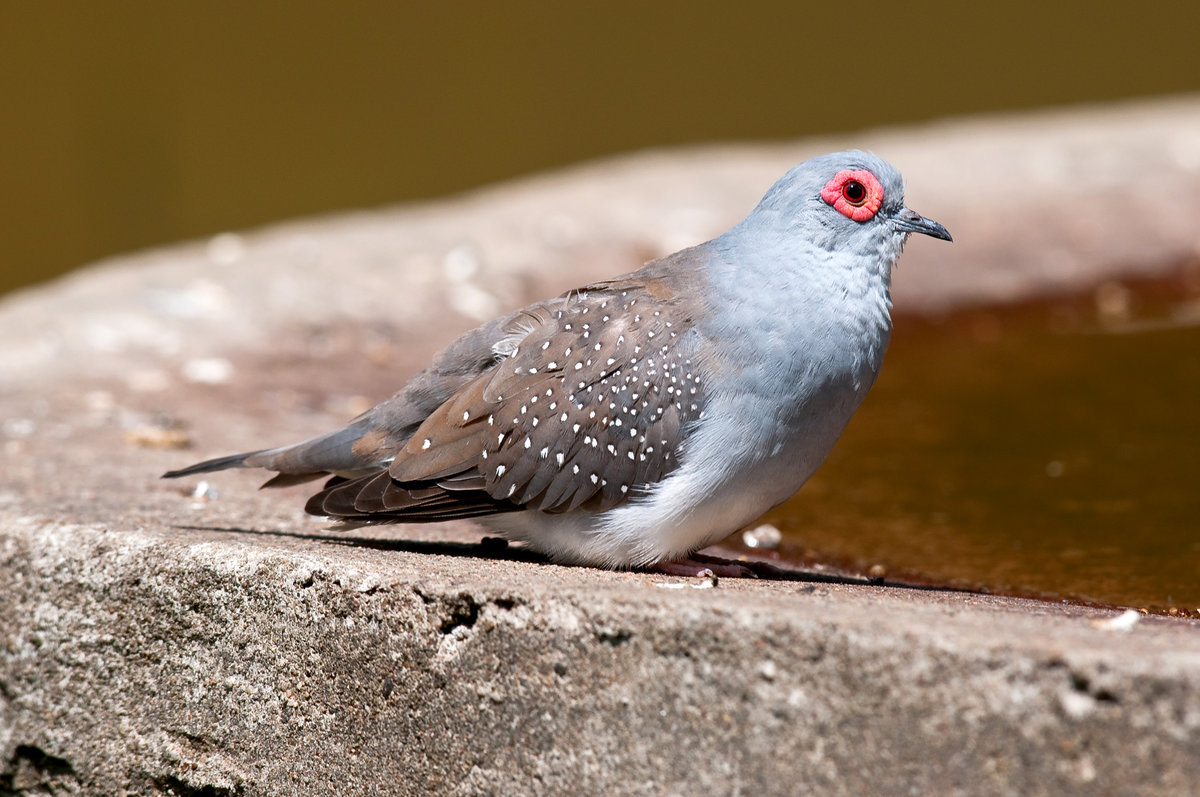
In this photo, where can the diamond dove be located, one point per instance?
(633, 421)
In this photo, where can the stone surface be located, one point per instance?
(202, 638)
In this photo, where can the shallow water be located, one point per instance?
(1048, 450)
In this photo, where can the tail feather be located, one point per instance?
(210, 465)
(339, 451)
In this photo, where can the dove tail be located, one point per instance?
(210, 465)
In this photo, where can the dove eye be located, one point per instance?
(855, 193)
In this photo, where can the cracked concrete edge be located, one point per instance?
(232, 666)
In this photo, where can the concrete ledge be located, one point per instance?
(155, 640)
(240, 663)
(244, 664)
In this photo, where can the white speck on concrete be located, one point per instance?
(765, 537)
(226, 248)
(1125, 621)
(208, 370)
(1076, 704)
(461, 263)
(19, 428)
(204, 492)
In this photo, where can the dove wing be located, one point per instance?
(584, 407)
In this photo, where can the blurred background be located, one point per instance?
(131, 123)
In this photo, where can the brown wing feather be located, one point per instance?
(377, 498)
(585, 407)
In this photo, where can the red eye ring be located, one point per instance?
(855, 193)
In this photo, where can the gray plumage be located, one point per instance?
(636, 420)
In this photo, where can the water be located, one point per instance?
(1048, 450)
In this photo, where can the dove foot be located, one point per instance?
(698, 565)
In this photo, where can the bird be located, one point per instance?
(631, 422)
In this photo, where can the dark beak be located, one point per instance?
(912, 221)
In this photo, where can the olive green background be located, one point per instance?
(127, 124)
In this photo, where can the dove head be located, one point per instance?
(844, 202)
